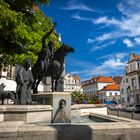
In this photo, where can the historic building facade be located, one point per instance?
(72, 83)
(130, 85)
(91, 87)
(110, 94)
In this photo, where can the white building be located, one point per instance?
(131, 87)
(110, 94)
(71, 83)
(92, 86)
(125, 90)
(89, 87)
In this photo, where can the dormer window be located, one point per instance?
(138, 65)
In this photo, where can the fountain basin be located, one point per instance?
(34, 123)
(97, 131)
(118, 129)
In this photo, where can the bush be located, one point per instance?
(79, 98)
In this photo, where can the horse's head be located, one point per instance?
(67, 49)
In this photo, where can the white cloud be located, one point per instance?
(119, 55)
(128, 43)
(129, 7)
(77, 16)
(113, 65)
(107, 36)
(95, 48)
(72, 5)
(90, 40)
(127, 26)
(105, 19)
(137, 40)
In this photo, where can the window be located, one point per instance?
(131, 68)
(133, 82)
(139, 82)
(126, 80)
(110, 93)
(137, 97)
(116, 93)
(68, 80)
(138, 65)
(122, 91)
(119, 101)
(123, 100)
(128, 98)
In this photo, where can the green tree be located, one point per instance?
(21, 30)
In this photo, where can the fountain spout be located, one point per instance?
(62, 103)
(61, 113)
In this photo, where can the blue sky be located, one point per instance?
(103, 33)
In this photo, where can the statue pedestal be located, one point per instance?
(26, 113)
(60, 114)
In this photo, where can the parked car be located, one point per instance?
(113, 107)
(134, 108)
(116, 107)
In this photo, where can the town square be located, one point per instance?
(69, 70)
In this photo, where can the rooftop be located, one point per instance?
(98, 79)
(103, 79)
(112, 87)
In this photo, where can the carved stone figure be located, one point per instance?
(7, 95)
(44, 57)
(24, 81)
(55, 67)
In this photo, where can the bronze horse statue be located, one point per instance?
(54, 69)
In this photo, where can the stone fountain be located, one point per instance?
(60, 102)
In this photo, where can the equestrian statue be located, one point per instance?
(55, 67)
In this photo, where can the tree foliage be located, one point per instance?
(21, 30)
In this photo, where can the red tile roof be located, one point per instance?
(99, 79)
(111, 87)
(133, 57)
(75, 77)
(137, 57)
(87, 83)
(117, 79)
(102, 79)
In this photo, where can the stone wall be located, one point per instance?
(104, 131)
(26, 113)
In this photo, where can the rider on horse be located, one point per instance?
(44, 56)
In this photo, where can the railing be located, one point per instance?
(131, 115)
